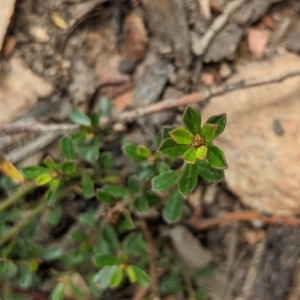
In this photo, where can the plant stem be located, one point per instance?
(152, 260)
(17, 195)
(6, 290)
(19, 226)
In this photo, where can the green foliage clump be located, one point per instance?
(110, 248)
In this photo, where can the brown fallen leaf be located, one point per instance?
(268, 21)
(6, 11)
(124, 100)
(136, 40)
(20, 89)
(115, 83)
(9, 170)
(9, 46)
(257, 41)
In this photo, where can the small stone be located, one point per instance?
(126, 66)
(210, 194)
(225, 70)
(39, 34)
(257, 41)
(217, 5)
(208, 79)
(293, 42)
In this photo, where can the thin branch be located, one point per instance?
(203, 95)
(17, 196)
(242, 216)
(20, 226)
(152, 260)
(32, 147)
(216, 26)
(34, 126)
(163, 105)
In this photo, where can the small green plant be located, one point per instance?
(110, 248)
(194, 145)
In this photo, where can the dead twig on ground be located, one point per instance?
(163, 105)
(32, 147)
(203, 95)
(152, 260)
(216, 26)
(242, 216)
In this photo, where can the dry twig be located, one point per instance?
(216, 26)
(163, 105)
(242, 216)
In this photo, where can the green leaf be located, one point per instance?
(208, 173)
(87, 219)
(104, 276)
(152, 198)
(79, 117)
(134, 184)
(143, 151)
(127, 223)
(162, 167)
(43, 179)
(173, 209)
(58, 292)
(131, 150)
(69, 167)
(55, 184)
(209, 132)
(77, 292)
(102, 260)
(117, 278)
(192, 120)
(95, 120)
(131, 274)
(51, 254)
(52, 195)
(181, 136)
(26, 278)
(8, 269)
(220, 121)
(105, 107)
(171, 149)
(189, 155)
(141, 276)
(90, 152)
(33, 172)
(49, 162)
(141, 204)
(109, 240)
(55, 215)
(216, 157)
(79, 137)
(167, 285)
(106, 160)
(201, 152)
(188, 179)
(165, 132)
(115, 190)
(104, 197)
(67, 147)
(134, 244)
(164, 181)
(87, 186)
